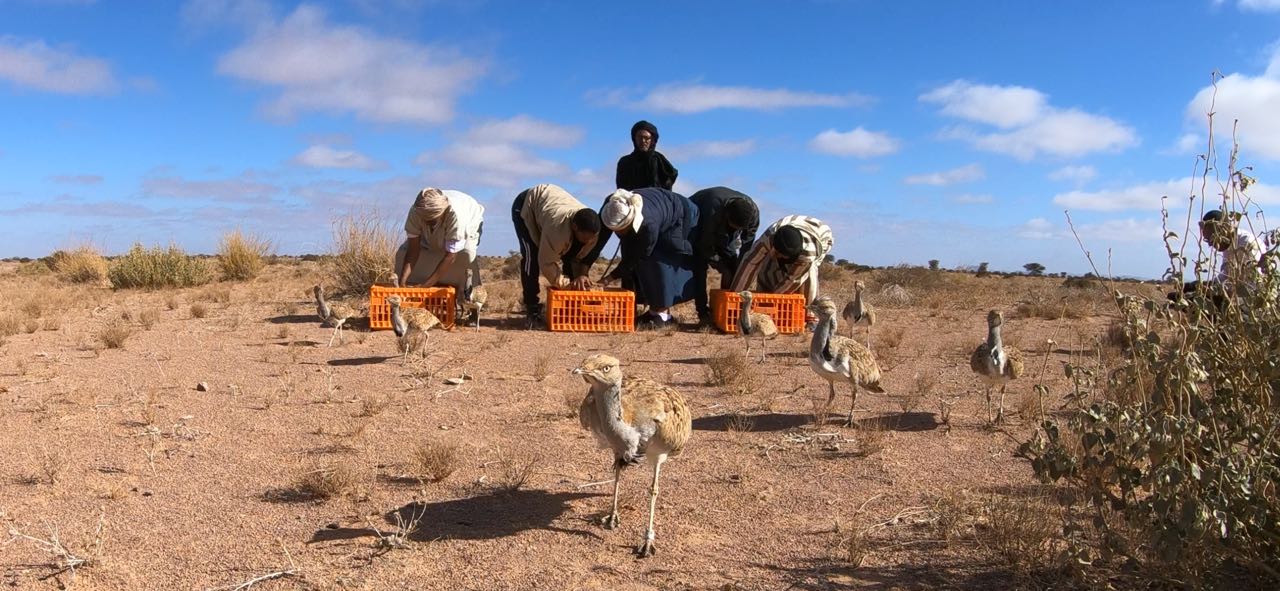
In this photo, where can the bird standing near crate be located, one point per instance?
(859, 311)
(995, 362)
(755, 325)
(333, 313)
(639, 420)
(410, 324)
(475, 303)
(839, 359)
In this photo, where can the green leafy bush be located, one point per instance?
(154, 268)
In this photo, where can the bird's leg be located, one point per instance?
(764, 349)
(748, 339)
(832, 397)
(1000, 410)
(988, 403)
(335, 334)
(868, 337)
(646, 548)
(852, 405)
(611, 521)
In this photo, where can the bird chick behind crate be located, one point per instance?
(638, 420)
(475, 303)
(755, 325)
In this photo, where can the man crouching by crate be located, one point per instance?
(446, 224)
(560, 238)
(785, 259)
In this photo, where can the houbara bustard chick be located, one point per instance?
(840, 359)
(474, 304)
(755, 325)
(639, 420)
(858, 311)
(995, 362)
(410, 324)
(334, 313)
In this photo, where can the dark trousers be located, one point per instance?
(529, 270)
(701, 299)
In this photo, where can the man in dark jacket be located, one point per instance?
(645, 166)
(727, 224)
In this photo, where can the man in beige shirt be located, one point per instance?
(560, 238)
(442, 235)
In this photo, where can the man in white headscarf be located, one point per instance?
(654, 226)
(442, 235)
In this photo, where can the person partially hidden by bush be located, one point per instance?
(1240, 253)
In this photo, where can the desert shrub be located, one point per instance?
(241, 256)
(364, 248)
(1179, 457)
(84, 264)
(10, 324)
(830, 272)
(435, 461)
(155, 268)
(911, 277)
(114, 334)
(326, 481)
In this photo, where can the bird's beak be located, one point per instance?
(577, 371)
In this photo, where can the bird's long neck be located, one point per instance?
(397, 321)
(744, 318)
(995, 344)
(322, 307)
(857, 302)
(609, 405)
(820, 346)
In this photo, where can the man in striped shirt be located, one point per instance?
(786, 258)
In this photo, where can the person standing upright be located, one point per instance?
(645, 166)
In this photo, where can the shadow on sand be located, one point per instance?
(484, 517)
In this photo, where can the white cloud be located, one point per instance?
(1075, 174)
(523, 129)
(1028, 125)
(1123, 230)
(1188, 143)
(710, 149)
(326, 156)
(497, 154)
(963, 174)
(1260, 5)
(1148, 195)
(857, 142)
(968, 199)
(34, 64)
(1253, 101)
(242, 189)
(1001, 106)
(317, 66)
(696, 98)
(1037, 229)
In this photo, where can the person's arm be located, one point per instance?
(412, 246)
(669, 172)
(750, 266)
(811, 284)
(440, 269)
(628, 246)
(550, 264)
(748, 236)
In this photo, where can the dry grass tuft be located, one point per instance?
(199, 310)
(148, 317)
(155, 268)
(240, 256)
(724, 366)
(514, 471)
(364, 245)
(572, 402)
(739, 423)
(327, 481)
(435, 461)
(542, 365)
(872, 437)
(10, 324)
(373, 405)
(114, 334)
(83, 264)
(1022, 532)
(171, 302)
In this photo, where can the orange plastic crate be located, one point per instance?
(440, 300)
(786, 309)
(612, 310)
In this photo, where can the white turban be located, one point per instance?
(621, 209)
(432, 202)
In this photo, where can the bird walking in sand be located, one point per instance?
(334, 313)
(639, 420)
(410, 324)
(858, 311)
(755, 325)
(474, 304)
(995, 362)
(840, 359)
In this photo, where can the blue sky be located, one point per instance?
(918, 130)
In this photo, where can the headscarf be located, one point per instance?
(643, 125)
(621, 209)
(432, 202)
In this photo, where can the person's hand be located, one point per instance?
(582, 283)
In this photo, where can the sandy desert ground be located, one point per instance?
(301, 457)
